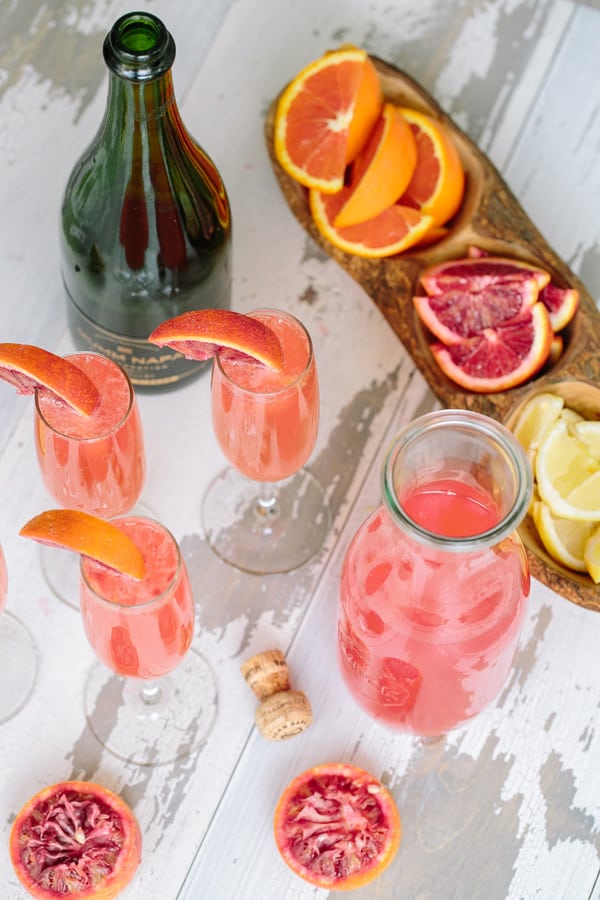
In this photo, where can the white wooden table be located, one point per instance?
(506, 808)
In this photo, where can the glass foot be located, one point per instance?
(61, 567)
(265, 539)
(168, 723)
(19, 666)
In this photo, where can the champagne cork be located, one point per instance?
(282, 712)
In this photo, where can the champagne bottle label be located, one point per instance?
(148, 366)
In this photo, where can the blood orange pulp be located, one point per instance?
(337, 826)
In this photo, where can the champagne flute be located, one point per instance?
(266, 513)
(18, 653)
(151, 698)
(93, 463)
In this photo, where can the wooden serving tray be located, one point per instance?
(490, 218)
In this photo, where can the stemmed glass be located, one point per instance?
(18, 654)
(151, 699)
(93, 463)
(266, 513)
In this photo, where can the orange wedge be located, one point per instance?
(395, 229)
(201, 334)
(31, 368)
(324, 117)
(71, 529)
(437, 184)
(382, 170)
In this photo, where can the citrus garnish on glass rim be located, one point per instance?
(72, 529)
(32, 368)
(201, 334)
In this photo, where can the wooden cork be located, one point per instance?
(282, 712)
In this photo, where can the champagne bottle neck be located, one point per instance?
(138, 48)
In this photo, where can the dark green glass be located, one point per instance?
(146, 222)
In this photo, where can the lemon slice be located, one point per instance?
(568, 478)
(535, 420)
(588, 432)
(571, 417)
(564, 539)
(591, 555)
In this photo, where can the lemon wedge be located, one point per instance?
(588, 432)
(564, 539)
(568, 478)
(535, 420)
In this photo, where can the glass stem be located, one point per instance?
(151, 693)
(267, 506)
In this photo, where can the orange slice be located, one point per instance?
(71, 529)
(382, 170)
(31, 368)
(201, 334)
(438, 181)
(395, 229)
(324, 117)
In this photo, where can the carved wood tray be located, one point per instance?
(490, 218)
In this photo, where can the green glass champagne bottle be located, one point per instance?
(146, 222)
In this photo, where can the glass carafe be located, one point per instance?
(435, 582)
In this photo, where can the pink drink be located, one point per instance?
(427, 636)
(140, 629)
(95, 463)
(266, 422)
(3, 582)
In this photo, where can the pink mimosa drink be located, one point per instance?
(266, 422)
(435, 582)
(140, 629)
(95, 463)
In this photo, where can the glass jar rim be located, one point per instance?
(477, 424)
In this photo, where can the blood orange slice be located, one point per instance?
(75, 839)
(500, 358)
(382, 169)
(395, 229)
(325, 116)
(31, 368)
(561, 303)
(71, 529)
(460, 313)
(337, 827)
(476, 274)
(437, 184)
(201, 334)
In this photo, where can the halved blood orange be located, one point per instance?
(437, 184)
(474, 274)
(324, 117)
(561, 303)
(75, 839)
(201, 334)
(72, 529)
(32, 368)
(500, 358)
(337, 826)
(395, 229)
(382, 169)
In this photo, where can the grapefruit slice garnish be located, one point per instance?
(30, 368)
(437, 183)
(395, 229)
(72, 529)
(382, 170)
(337, 826)
(324, 117)
(476, 274)
(75, 839)
(201, 334)
(500, 358)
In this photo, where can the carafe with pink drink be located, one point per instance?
(435, 582)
